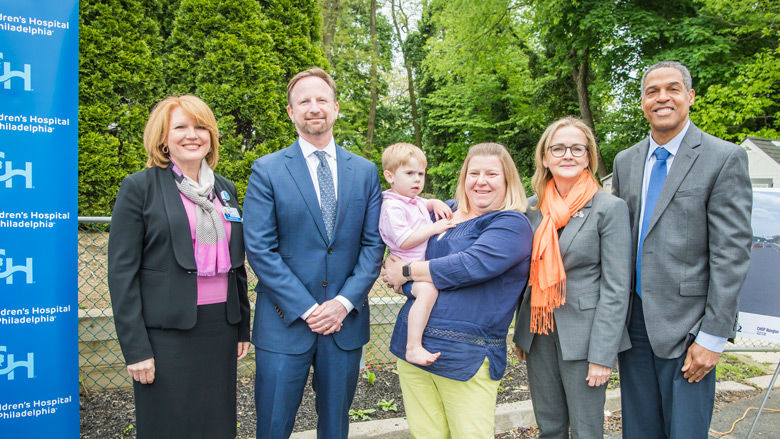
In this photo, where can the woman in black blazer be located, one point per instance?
(177, 278)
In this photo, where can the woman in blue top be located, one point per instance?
(480, 268)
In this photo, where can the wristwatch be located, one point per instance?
(406, 270)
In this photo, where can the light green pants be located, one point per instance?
(442, 408)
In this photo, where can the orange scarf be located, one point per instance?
(547, 276)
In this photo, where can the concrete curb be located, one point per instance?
(508, 416)
(762, 382)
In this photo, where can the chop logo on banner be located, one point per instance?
(7, 74)
(8, 365)
(7, 269)
(39, 65)
(7, 173)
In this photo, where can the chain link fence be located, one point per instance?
(101, 365)
(100, 358)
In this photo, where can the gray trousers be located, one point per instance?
(560, 394)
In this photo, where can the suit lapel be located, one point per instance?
(181, 235)
(682, 163)
(236, 230)
(572, 227)
(635, 181)
(296, 165)
(346, 178)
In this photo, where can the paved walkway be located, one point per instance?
(768, 423)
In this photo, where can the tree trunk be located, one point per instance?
(580, 76)
(373, 73)
(330, 18)
(409, 76)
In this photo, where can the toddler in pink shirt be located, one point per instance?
(405, 225)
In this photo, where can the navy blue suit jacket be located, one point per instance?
(288, 248)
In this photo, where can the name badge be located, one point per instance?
(231, 214)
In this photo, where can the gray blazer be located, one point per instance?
(596, 255)
(697, 248)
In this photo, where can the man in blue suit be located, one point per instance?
(311, 216)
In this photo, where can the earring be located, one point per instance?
(165, 149)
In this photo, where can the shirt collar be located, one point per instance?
(672, 146)
(308, 149)
(389, 194)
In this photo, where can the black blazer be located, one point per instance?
(152, 275)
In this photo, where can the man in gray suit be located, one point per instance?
(689, 199)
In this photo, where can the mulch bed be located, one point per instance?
(110, 413)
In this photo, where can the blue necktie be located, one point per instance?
(657, 178)
(327, 193)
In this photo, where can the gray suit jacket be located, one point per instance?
(697, 248)
(596, 255)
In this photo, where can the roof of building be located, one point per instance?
(770, 146)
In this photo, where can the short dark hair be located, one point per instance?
(313, 71)
(687, 81)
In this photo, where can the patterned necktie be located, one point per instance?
(657, 178)
(327, 193)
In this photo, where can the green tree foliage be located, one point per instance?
(237, 55)
(474, 85)
(746, 99)
(119, 76)
(350, 54)
(494, 70)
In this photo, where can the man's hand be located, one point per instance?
(327, 317)
(143, 371)
(597, 374)
(439, 209)
(520, 353)
(699, 361)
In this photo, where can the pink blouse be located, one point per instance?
(211, 289)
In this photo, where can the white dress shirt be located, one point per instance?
(708, 341)
(312, 162)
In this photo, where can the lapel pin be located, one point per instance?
(225, 196)
(578, 214)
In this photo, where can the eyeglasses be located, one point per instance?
(559, 150)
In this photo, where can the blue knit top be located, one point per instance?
(480, 268)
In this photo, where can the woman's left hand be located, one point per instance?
(391, 271)
(598, 375)
(243, 349)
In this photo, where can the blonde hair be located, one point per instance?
(542, 174)
(399, 154)
(313, 71)
(514, 198)
(156, 131)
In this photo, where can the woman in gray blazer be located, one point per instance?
(571, 322)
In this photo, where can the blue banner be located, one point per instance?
(39, 382)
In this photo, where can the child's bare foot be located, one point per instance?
(420, 356)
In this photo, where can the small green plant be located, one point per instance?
(731, 368)
(361, 415)
(128, 429)
(500, 388)
(369, 376)
(388, 406)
